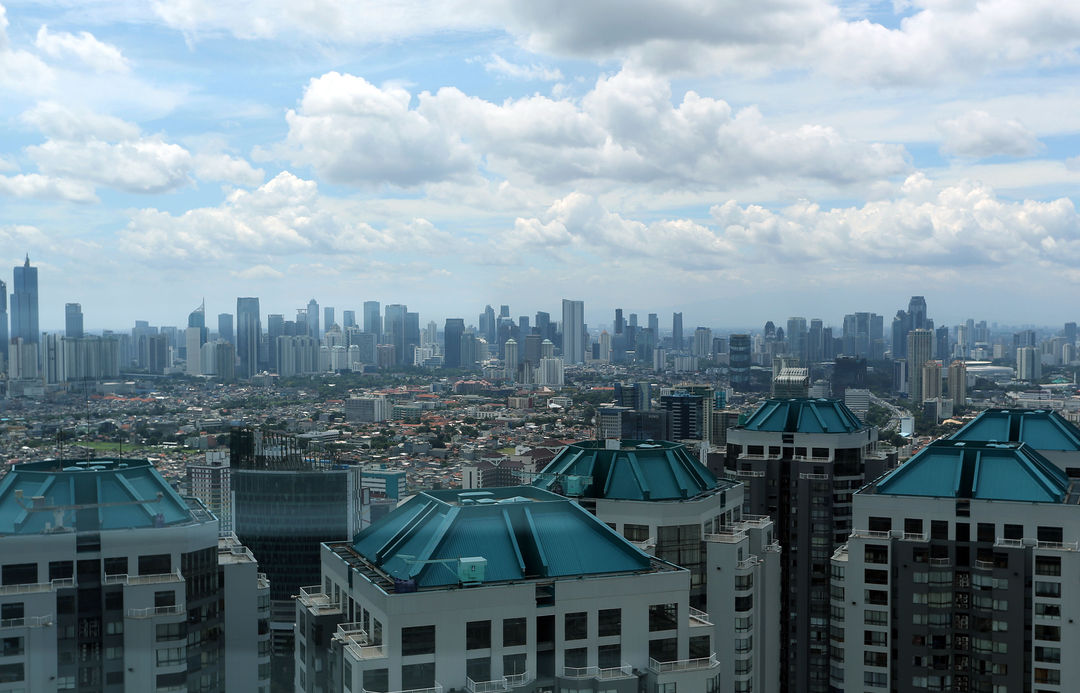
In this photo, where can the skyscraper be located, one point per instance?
(573, 330)
(313, 320)
(796, 334)
(958, 383)
(275, 327)
(249, 335)
(619, 324)
(654, 324)
(225, 327)
(676, 331)
(328, 317)
(920, 346)
(73, 321)
(372, 318)
(455, 327)
(348, 319)
(24, 304)
(917, 311)
(394, 329)
(5, 339)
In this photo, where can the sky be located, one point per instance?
(738, 161)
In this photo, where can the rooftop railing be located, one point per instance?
(152, 611)
(30, 588)
(684, 664)
(604, 674)
(698, 618)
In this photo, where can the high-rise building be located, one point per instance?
(511, 359)
(285, 502)
(313, 320)
(114, 582)
(372, 318)
(637, 396)
(24, 304)
(348, 319)
(412, 336)
(275, 327)
(920, 349)
(958, 383)
(697, 525)
(686, 415)
(620, 325)
(702, 346)
(676, 331)
(225, 327)
(249, 336)
(550, 372)
(193, 342)
(5, 337)
(544, 327)
(797, 338)
(931, 380)
(73, 320)
(1070, 332)
(917, 311)
(328, 318)
(739, 360)
(959, 575)
(210, 481)
(800, 460)
(450, 608)
(452, 332)
(394, 330)
(573, 331)
(1028, 364)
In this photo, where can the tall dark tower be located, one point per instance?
(24, 304)
(313, 320)
(4, 336)
(455, 327)
(676, 331)
(248, 336)
(917, 312)
(73, 321)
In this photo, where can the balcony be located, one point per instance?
(811, 476)
(32, 622)
(356, 642)
(870, 534)
(727, 535)
(33, 587)
(621, 672)
(709, 662)
(263, 582)
(506, 683)
(759, 521)
(318, 603)
(152, 611)
(157, 579)
(748, 563)
(437, 688)
(1060, 546)
(698, 618)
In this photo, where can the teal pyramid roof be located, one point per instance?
(88, 496)
(636, 470)
(1042, 429)
(803, 415)
(522, 532)
(977, 469)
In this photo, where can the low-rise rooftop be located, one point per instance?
(1042, 429)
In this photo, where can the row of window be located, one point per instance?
(984, 531)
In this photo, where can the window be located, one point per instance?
(514, 630)
(576, 626)
(478, 668)
(11, 673)
(1051, 534)
(876, 577)
(116, 566)
(1049, 676)
(663, 617)
(876, 659)
(165, 598)
(19, 573)
(664, 649)
(170, 656)
(744, 603)
(700, 646)
(875, 638)
(1051, 633)
(417, 640)
(912, 525)
(609, 622)
(418, 675)
(1048, 565)
(61, 570)
(114, 599)
(171, 631)
(11, 610)
(873, 553)
(636, 532)
(744, 582)
(609, 656)
(1047, 589)
(880, 524)
(1048, 654)
(478, 637)
(513, 664)
(1014, 531)
(11, 647)
(1047, 610)
(377, 680)
(939, 529)
(156, 564)
(576, 657)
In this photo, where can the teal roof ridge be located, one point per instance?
(1043, 429)
(984, 470)
(522, 533)
(644, 470)
(803, 415)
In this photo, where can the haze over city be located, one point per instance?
(735, 163)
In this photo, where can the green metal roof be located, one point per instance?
(1042, 429)
(636, 470)
(522, 532)
(977, 469)
(89, 496)
(803, 415)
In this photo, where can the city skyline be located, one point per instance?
(441, 156)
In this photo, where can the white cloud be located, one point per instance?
(258, 272)
(283, 218)
(977, 134)
(352, 131)
(101, 150)
(99, 56)
(625, 130)
(530, 73)
(20, 71)
(35, 185)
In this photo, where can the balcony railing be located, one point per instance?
(747, 563)
(437, 688)
(684, 664)
(156, 579)
(812, 476)
(152, 611)
(698, 618)
(313, 598)
(32, 622)
(726, 535)
(757, 520)
(33, 587)
(1060, 546)
(870, 534)
(621, 672)
(506, 683)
